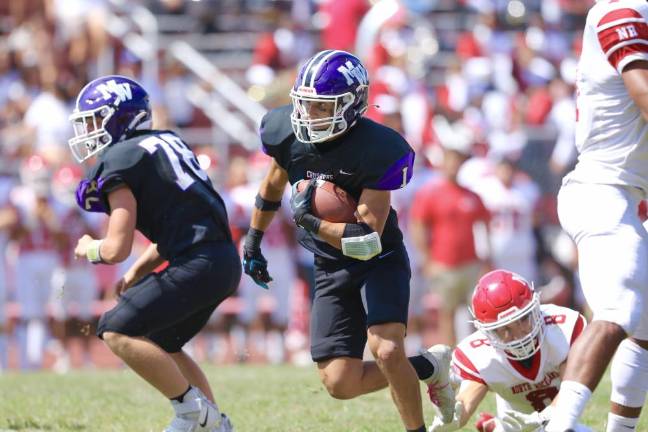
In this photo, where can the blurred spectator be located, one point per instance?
(37, 235)
(443, 217)
(74, 282)
(8, 219)
(340, 19)
(511, 199)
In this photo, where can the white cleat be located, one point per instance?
(195, 414)
(225, 425)
(440, 390)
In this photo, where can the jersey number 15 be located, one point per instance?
(175, 149)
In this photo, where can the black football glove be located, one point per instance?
(254, 263)
(301, 206)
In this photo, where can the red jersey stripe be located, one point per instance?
(465, 367)
(613, 36)
(578, 328)
(619, 14)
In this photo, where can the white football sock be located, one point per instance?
(572, 398)
(629, 375)
(617, 423)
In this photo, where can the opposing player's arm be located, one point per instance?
(635, 78)
(117, 244)
(471, 394)
(373, 209)
(269, 198)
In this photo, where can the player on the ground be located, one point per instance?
(518, 352)
(324, 136)
(597, 206)
(149, 180)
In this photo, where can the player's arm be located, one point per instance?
(268, 199)
(635, 78)
(117, 245)
(145, 264)
(266, 204)
(471, 394)
(373, 209)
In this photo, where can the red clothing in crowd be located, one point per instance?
(342, 19)
(449, 211)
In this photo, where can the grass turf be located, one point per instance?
(257, 398)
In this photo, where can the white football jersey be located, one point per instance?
(611, 134)
(516, 387)
(511, 224)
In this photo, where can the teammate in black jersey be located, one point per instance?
(150, 180)
(324, 136)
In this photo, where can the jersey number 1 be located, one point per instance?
(174, 149)
(404, 177)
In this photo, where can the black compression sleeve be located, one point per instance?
(265, 205)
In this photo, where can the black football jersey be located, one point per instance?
(368, 156)
(177, 207)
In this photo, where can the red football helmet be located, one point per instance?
(507, 311)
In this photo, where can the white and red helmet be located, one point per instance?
(501, 298)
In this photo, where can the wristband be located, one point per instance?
(253, 239)
(93, 251)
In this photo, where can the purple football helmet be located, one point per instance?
(108, 109)
(329, 96)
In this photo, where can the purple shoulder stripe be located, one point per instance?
(88, 196)
(398, 175)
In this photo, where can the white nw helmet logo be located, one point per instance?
(123, 91)
(350, 72)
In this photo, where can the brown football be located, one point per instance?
(331, 202)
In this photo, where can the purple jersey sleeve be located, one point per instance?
(397, 175)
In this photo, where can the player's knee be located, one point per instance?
(117, 343)
(338, 386)
(388, 352)
(609, 331)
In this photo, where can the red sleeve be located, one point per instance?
(578, 328)
(421, 210)
(623, 35)
(464, 367)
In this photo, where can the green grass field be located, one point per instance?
(257, 398)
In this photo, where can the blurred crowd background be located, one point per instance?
(482, 89)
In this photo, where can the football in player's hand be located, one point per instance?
(485, 422)
(331, 203)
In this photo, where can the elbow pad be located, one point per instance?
(359, 241)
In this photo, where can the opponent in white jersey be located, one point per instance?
(597, 207)
(511, 198)
(518, 352)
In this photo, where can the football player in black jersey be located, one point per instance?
(324, 136)
(150, 180)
